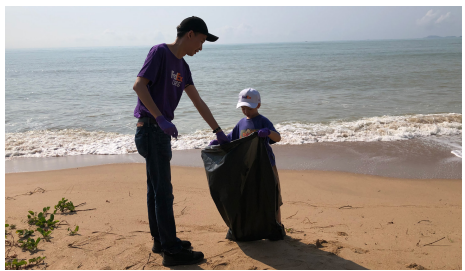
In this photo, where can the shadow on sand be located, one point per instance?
(293, 254)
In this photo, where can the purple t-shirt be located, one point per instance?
(168, 77)
(245, 127)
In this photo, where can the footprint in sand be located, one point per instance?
(220, 266)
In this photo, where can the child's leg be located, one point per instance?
(279, 199)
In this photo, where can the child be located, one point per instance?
(249, 101)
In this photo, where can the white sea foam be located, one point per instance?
(457, 153)
(47, 143)
(385, 128)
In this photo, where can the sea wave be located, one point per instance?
(55, 143)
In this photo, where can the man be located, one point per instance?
(159, 86)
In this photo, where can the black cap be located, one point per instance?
(197, 25)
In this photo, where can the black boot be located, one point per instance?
(183, 257)
(157, 246)
(229, 235)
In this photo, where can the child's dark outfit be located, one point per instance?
(246, 127)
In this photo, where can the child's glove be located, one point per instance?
(167, 127)
(213, 142)
(222, 138)
(264, 132)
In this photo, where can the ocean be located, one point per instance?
(73, 101)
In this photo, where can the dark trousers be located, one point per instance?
(155, 146)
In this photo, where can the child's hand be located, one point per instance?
(264, 132)
(213, 142)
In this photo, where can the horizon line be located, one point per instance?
(209, 44)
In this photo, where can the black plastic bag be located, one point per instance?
(243, 187)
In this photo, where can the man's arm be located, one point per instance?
(201, 106)
(140, 87)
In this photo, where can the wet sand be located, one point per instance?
(417, 158)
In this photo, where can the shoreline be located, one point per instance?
(415, 158)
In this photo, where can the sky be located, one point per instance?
(57, 27)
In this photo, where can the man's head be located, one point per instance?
(194, 33)
(249, 102)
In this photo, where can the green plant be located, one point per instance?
(41, 220)
(36, 261)
(71, 232)
(24, 233)
(15, 264)
(45, 234)
(46, 223)
(64, 205)
(30, 244)
(45, 209)
(289, 230)
(12, 226)
(6, 226)
(32, 218)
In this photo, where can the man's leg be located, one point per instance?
(155, 146)
(142, 143)
(151, 209)
(159, 178)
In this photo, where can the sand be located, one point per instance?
(335, 220)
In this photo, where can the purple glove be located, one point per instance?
(213, 142)
(222, 138)
(167, 126)
(264, 132)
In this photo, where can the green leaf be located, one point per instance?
(31, 212)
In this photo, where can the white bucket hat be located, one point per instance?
(249, 97)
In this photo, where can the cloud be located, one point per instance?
(443, 17)
(432, 18)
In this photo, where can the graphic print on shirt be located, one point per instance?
(177, 79)
(247, 132)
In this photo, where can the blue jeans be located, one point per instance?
(155, 146)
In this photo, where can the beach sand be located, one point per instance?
(335, 220)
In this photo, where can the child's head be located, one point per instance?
(249, 101)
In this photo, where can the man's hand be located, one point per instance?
(213, 142)
(264, 132)
(167, 127)
(222, 138)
